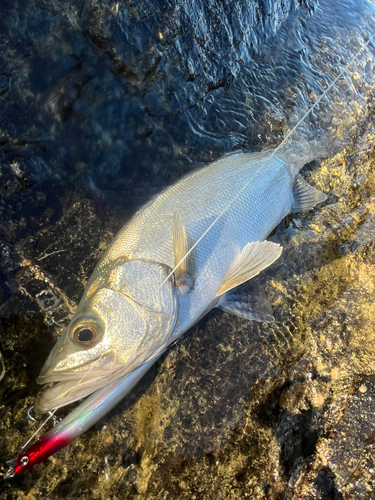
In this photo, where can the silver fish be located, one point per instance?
(182, 254)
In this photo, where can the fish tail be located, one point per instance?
(300, 150)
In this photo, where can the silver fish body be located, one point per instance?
(133, 305)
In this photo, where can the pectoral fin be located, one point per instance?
(253, 258)
(305, 197)
(247, 302)
(183, 279)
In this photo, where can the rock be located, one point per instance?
(114, 99)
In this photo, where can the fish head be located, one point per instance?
(117, 327)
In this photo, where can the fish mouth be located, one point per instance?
(65, 388)
(68, 380)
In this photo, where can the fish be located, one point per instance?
(143, 294)
(184, 253)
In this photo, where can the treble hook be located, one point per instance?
(28, 414)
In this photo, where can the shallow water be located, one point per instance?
(119, 100)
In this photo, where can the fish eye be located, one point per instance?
(85, 334)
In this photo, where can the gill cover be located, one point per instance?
(115, 329)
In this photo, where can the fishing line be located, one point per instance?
(51, 414)
(286, 138)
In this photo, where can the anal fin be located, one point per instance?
(304, 196)
(183, 279)
(248, 302)
(253, 258)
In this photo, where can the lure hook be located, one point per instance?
(29, 416)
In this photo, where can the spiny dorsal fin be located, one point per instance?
(183, 280)
(304, 196)
(254, 257)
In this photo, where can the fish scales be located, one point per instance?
(200, 198)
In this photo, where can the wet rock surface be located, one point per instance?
(235, 409)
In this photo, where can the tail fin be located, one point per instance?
(299, 149)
